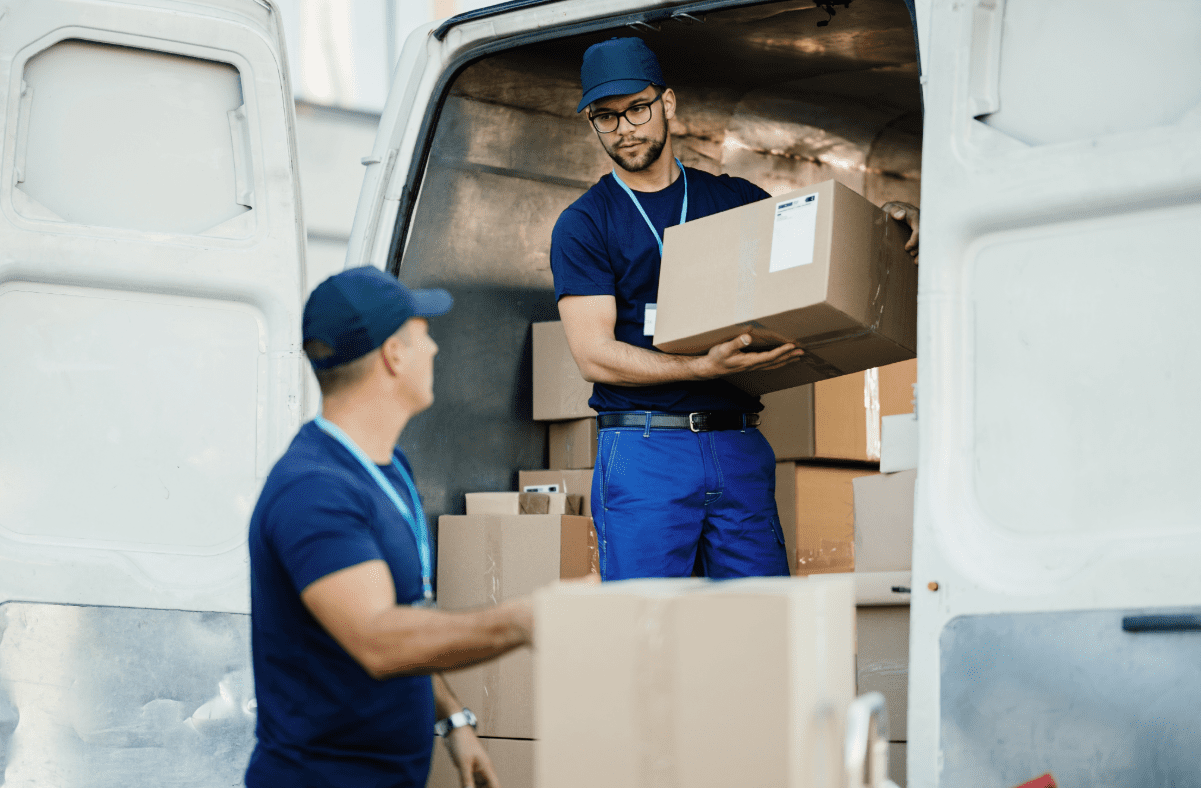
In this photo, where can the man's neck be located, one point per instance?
(374, 427)
(657, 177)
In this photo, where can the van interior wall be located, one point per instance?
(764, 93)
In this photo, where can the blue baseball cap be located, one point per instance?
(355, 311)
(617, 67)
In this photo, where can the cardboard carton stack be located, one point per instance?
(507, 545)
(561, 397)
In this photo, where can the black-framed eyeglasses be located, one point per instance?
(637, 115)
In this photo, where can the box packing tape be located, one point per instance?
(830, 557)
(871, 406)
(655, 661)
(494, 578)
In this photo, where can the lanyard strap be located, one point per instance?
(647, 219)
(416, 522)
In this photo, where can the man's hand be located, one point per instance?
(729, 357)
(904, 212)
(475, 767)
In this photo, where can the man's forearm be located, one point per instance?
(619, 363)
(409, 641)
(445, 702)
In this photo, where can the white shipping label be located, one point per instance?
(794, 233)
(648, 320)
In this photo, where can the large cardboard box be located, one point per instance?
(817, 513)
(819, 266)
(489, 559)
(692, 683)
(884, 522)
(560, 391)
(512, 759)
(572, 444)
(840, 418)
(570, 482)
(523, 503)
(882, 664)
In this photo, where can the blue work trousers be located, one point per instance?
(666, 500)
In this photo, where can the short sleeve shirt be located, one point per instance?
(601, 245)
(322, 720)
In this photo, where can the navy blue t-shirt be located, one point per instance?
(322, 720)
(601, 245)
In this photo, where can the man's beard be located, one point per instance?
(637, 163)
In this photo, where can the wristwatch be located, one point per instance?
(456, 720)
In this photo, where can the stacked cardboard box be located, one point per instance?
(816, 496)
(498, 552)
(561, 397)
(688, 682)
(839, 418)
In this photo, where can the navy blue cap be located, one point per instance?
(355, 311)
(618, 67)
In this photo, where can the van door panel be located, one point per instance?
(150, 294)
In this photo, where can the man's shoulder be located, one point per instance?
(310, 463)
(728, 189)
(592, 204)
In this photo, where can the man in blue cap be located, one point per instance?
(683, 478)
(346, 643)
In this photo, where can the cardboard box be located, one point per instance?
(560, 391)
(488, 559)
(819, 266)
(687, 682)
(897, 763)
(512, 759)
(837, 419)
(572, 444)
(523, 503)
(817, 514)
(884, 522)
(882, 664)
(898, 443)
(570, 482)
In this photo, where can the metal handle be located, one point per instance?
(866, 756)
(1183, 622)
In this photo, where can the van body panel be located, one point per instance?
(1062, 192)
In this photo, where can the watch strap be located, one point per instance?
(457, 720)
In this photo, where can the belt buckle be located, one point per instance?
(692, 421)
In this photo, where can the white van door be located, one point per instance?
(1055, 620)
(151, 276)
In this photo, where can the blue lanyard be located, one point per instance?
(647, 219)
(416, 523)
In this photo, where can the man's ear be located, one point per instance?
(669, 103)
(394, 350)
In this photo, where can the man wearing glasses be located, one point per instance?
(683, 478)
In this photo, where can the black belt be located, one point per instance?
(697, 422)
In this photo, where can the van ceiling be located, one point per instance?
(745, 49)
(767, 80)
